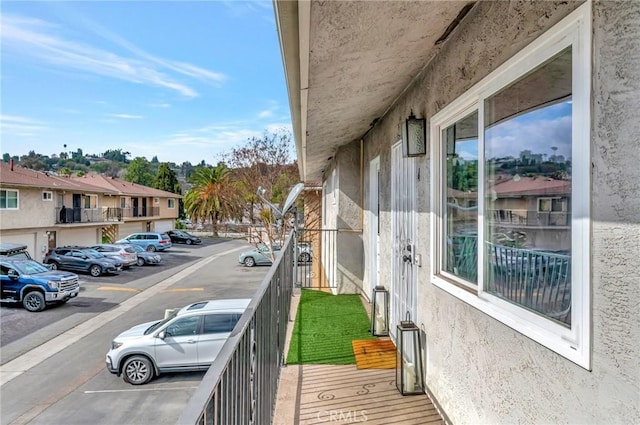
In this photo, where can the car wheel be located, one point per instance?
(137, 370)
(140, 261)
(34, 301)
(189, 241)
(249, 262)
(151, 248)
(305, 257)
(54, 265)
(95, 270)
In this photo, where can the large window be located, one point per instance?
(511, 191)
(8, 199)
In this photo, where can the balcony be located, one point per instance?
(141, 212)
(530, 218)
(248, 383)
(73, 215)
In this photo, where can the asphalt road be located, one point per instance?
(53, 362)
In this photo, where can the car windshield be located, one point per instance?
(138, 248)
(159, 324)
(165, 236)
(29, 267)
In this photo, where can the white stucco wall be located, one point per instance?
(479, 370)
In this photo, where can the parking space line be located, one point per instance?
(118, 288)
(30, 359)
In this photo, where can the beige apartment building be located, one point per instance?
(43, 211)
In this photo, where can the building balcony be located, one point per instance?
(530, 218)
(249, 381)
(140, 212)
(73, 215)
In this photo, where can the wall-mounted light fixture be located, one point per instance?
(414, 136)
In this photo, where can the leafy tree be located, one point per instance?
(139, 171)
(78, 156)
(211, 197)
(6, 157)
(186, 169)
(34, 161)
(166, 179)
(116, 155)
(262, 162)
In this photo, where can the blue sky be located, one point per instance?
(537, 131)
(181, 80)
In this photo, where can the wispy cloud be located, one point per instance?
(126, 116)
(42, 40)
(160, 105)
(20, 126)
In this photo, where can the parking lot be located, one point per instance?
(97, 294)
(176, 255)
(70, 341)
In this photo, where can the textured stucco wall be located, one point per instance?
(479, 370)
(349, 220)
(32, 210)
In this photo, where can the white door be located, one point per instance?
(403, 221)
(374, 227)
(179, 348)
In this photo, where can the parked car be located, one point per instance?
(69, 258)
(151, 241)
(126, 252)
(146, 257)
(260, 256)
(304, 252)
(117, 260)
(34, 284)
(190, 340)
(14, 250)
(180, 236)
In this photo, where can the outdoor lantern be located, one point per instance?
(409, 359)
(414, 136)
(380, 312)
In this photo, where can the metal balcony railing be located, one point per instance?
(141, 212)
(72, 215)
(241, 385)
(530, 218)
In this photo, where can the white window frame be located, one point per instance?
(123, 202)
(574, 343)
(17, 192)
(171, 203)
(47, 196)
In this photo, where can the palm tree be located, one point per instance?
(211, 195)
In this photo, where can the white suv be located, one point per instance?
(187, 341)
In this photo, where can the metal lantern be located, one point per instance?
(409, 379)
(415, 136)
(380, 312)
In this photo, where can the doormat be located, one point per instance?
(374, 354)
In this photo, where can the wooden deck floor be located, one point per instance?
(320, 394)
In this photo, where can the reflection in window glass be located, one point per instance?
(528, 190)
(461, 212)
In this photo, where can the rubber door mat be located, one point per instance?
(374, 353)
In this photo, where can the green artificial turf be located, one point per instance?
(324, 328)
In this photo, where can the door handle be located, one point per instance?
(191, 341)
